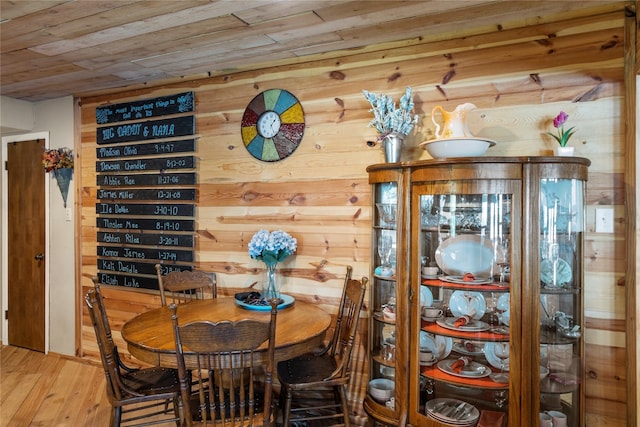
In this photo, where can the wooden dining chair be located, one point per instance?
(183, 286)
(225, 351)
(306, 380)
(138, 396)
(105, 322)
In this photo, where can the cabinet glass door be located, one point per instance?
(383, 297)
(561, 323)
(463, 343)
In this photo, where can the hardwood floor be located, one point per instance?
(54, 390)
(38, 389)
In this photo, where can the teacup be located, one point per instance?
(430, 271)
(431, 312)
(426, 356)
(558, 419)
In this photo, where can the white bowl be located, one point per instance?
(381, 389)
(457, 147)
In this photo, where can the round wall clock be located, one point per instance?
(272, 125)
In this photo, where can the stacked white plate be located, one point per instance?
(453, 412)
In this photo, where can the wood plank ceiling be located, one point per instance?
(54, 48)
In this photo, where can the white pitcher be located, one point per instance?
(454, 122)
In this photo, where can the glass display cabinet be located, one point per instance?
(477, 292)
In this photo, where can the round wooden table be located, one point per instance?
(300, 328)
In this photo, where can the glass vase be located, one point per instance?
(271, 283)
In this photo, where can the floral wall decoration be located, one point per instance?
(59, 161)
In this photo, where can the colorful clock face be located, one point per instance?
(272, 125)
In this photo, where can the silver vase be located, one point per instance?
(392, 145)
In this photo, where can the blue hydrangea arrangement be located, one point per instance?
(389, 119)
(272, 247)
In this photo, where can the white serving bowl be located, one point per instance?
(381, 389)
(457, 147)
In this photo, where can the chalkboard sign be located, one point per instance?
(141, 165)
(146, 239)
(143, 131)
(142, 209)
(135, 155)
(160, 194)
(133, 267)
(145, 224)
(147, 180)
(127, 281)
(161, 254)
(161, 106)
(165, 147)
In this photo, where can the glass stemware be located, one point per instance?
(554, 256)
(501, 350)
(384, 249)
(503, 257)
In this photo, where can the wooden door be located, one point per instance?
(26, 244)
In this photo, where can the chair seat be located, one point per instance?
(152, 381)
(306, 370)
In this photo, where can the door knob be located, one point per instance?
(39, 257)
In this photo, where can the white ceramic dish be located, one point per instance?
(504, 306)
(476, 350)
(459, 280)
(438, 409)
(381, 389)
(472, 370)
(466, 253)
(463, 303)
(457, 147)
(474, 326)
(426, 297)
(440, 346)
(430, 319)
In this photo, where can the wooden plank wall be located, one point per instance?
(519, 79)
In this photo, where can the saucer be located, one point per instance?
(431, 319)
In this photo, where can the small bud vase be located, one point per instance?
(393, 144)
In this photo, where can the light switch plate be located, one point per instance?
(604, 220)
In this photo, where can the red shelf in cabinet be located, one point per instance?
(434, 328)
(486, 288)
(436, 374)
